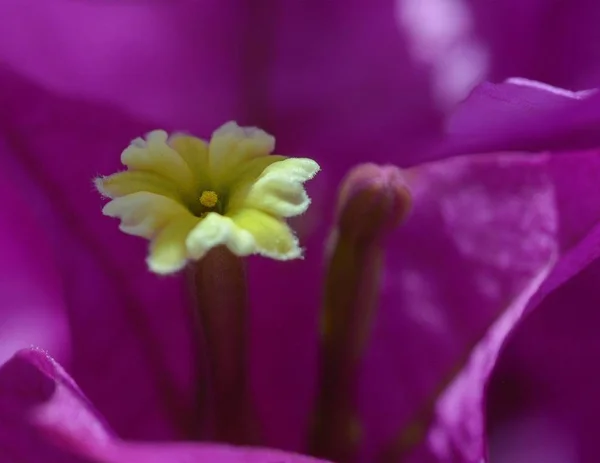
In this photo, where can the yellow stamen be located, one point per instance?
(209, 198)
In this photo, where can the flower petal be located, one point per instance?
(273, 237)
(215, 230)
(279, 190)
(45, 417)
(242, 181)
(548, 354)
(195, 153)
(569, 30)
(213, 453)
(519, 115)
(143, 213)
(232, 146)
(32, 303)
(168, 250)
(481, 238)
(37, 395)
(155, 155)
(128, 182)
(543, 383)
(122, 319)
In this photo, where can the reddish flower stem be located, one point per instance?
(352, 285)
(373, 200)
(221, 295)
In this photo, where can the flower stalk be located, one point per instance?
(219, 282)
(373, 200)
(206, 205)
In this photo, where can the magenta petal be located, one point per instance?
(45, 417)
(342, 84)
(33, 386)
(31, 298)
(522, 115)
(343, 73)
(182, 71)
(545, 386)
(526, 212)
(187, 453)
(124, 322)
(554, 42)
(481, 239)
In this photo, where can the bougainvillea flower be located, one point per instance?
(500, 222)
(503, 240)
(65, 129)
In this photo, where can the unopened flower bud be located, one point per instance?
(373, 201)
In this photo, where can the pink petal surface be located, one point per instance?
(125, 322)
(512, 115)
(520, 114)
(488, 238)
(546, 382)
(291, 64)
(482, 236)
(551, 41)
(182, 453)
(26, 382)
(154, 60)
(32, 308)
(46, 417)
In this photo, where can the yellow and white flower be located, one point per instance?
(187, 196)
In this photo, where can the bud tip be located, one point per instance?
(373, 201)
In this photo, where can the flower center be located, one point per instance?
(209, 199)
